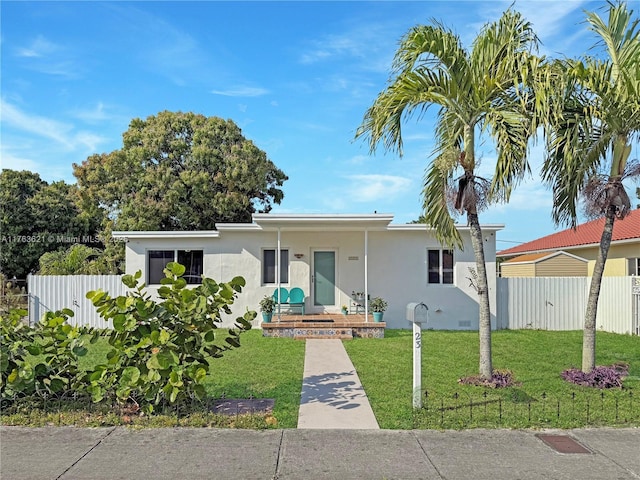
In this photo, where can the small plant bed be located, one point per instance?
(499, 379)
(600, 377)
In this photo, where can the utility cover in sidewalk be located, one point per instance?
(562, 443)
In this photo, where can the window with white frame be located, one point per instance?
(191, 259)
(440, 266)
(269, 266)
(634, 266)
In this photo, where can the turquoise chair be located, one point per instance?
(283, 295)
(296, 299)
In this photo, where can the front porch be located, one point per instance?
(323, 325)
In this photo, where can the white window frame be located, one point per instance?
(442, 271)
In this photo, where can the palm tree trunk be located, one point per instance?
(484, 325)
(589, 333)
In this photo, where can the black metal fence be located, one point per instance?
(520, 410)
(458, 410)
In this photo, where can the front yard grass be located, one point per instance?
(536, 359)
(273, 368)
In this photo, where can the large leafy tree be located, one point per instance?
(179, 171)
(37, 217)
(590, 109)
(478, 90)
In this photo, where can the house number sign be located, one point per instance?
(417, 314)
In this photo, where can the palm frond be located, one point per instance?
(436, 212)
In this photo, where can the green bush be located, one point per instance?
(161, 349)
(43, 359)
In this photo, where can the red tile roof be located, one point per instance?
(588, 233)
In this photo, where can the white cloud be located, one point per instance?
(39, 47)
(12, 162)
(60, 132)
(242, 92)
(366, 188)
(39, 125)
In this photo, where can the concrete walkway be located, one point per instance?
(332, 395)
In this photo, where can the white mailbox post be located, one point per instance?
(417, 313)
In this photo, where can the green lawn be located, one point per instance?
(262, 368)
(536, 359)
(273, 368)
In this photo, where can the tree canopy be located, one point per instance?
(37, 217)
(179, 171)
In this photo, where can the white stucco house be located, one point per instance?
(329, 257)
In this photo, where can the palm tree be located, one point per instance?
(78, 259)
(590, 110)
(478, 90)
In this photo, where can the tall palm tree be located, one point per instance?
(590, 110)
(478, 90)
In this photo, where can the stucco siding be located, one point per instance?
(615, 267)
(397, 269)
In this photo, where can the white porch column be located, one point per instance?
(278, 273)
(366, 275)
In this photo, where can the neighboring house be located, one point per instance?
(329, 257)
(583, 242)
(554, 264)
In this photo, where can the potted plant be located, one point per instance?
(345, 310)
(378, 306)
(267, 306)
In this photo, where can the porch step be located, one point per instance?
(315, 336)
(319, 332)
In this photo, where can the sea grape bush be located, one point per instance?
(600, 377)
(42, 359)
(162, 349)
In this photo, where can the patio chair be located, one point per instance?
(283, 295)
(296, 299)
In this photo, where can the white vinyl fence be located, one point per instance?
(559, 303)
(535, 303)
(55, 292)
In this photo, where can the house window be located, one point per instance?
(191, 259)
(269, 266)
(634, 266)
(440, 266)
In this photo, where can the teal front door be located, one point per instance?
(324, 278)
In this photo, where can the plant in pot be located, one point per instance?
(345, 310)
(378, 306)
(267, 306)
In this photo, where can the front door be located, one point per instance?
(324, 278)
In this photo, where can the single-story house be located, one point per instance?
(583, 242)
(329, 257)
(546, 264)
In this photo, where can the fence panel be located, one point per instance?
(615, 305)
(55, 292)
(559, 303)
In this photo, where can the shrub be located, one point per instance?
(162, 349)
(600, 377)
(43, 359)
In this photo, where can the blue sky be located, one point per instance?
(297, 77)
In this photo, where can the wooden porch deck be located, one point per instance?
(323, 325)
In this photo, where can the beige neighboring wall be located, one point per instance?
(558, 264)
